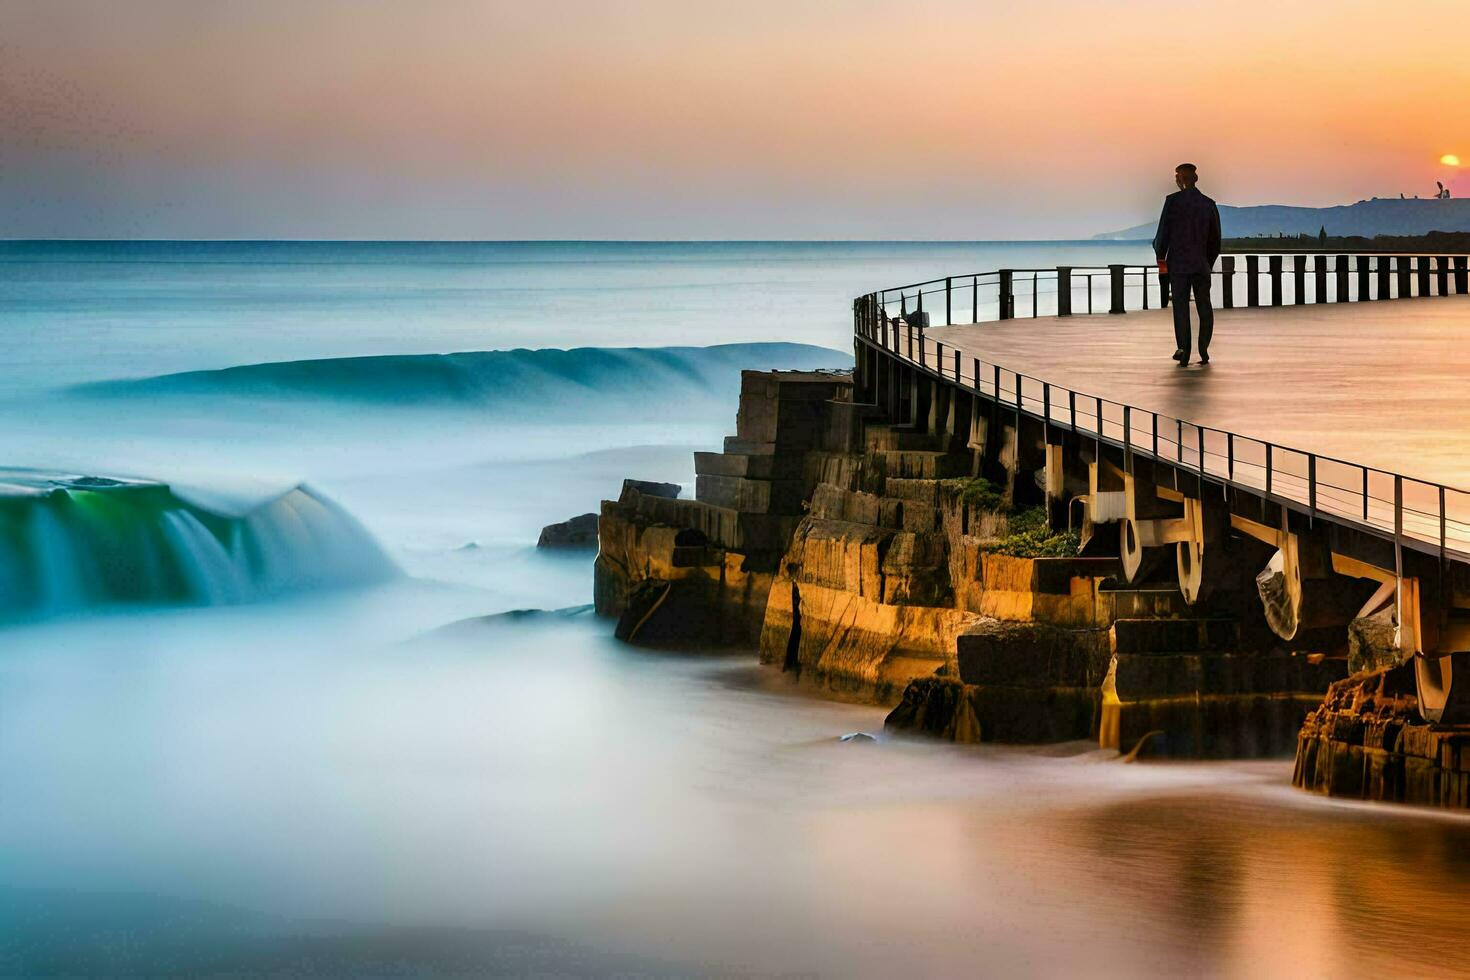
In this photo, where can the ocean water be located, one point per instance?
(286, 689)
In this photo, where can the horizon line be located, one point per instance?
(566, 241)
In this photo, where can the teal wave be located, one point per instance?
(531, 381)
(74, 543)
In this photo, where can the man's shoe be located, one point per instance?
(1204, 358)
(1182, 356)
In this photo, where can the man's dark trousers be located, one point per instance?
(1181, 284)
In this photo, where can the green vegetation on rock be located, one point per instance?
(978, 492)
(1028, 534)
(1030, 537)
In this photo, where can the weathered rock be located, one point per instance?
(648, 488)
(935, 706)
(714, 599)
(1037, 655)
(863, 556)
(861, 610)
(1367, 741)
(578, 533)
(1209, 726)
(852, 644)
(949, 709)
(1371, 644)
(1193, 688)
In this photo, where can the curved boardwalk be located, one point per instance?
(1380, 384)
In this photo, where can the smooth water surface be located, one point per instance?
(403, 776)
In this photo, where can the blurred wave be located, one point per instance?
(69, 544)
(534, 383)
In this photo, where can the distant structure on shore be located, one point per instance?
(1434, 243)
(1375, 216)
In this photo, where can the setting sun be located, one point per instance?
(1449, 159)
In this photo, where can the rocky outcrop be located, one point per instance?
(1013, 682)
(916, 565)
(714, 598)
(717, 553)
(1201, 689)
(652, 488)
(577, 534)
(1367, 741)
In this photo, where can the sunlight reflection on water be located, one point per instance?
(531, 774)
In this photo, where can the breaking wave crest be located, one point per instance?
(69, 544)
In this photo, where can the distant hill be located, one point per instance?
(1382, 216)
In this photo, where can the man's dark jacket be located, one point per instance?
(1189, 232)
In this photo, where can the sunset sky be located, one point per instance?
(691, 119)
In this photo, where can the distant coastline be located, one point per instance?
(1380, 216)
(1444, 242)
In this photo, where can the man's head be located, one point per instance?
(1186, 176)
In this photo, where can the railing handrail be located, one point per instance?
(870, 311)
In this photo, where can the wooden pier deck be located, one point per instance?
(1380, 384)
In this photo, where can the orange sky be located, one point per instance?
(657, 118)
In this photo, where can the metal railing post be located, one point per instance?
(1342, 279)
(1299, 279)
(1382, 267)
(1275, 275)
(1006, 301)
(1115, 279)
(1462, 274)
(1227, 281)
(1064, 291)
(1442, 274)
(948, 291)
(1252, 280)
(1444, 568)
(1421, 270)
(1311, 488)
(1319, 285)
(1401, 267)
(1127, 439)
(1365, 280)
(975, 304)
(1398, 556)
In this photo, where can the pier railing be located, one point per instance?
(1426, 516)
(1253, 279)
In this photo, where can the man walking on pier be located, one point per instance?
(1187, 244)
